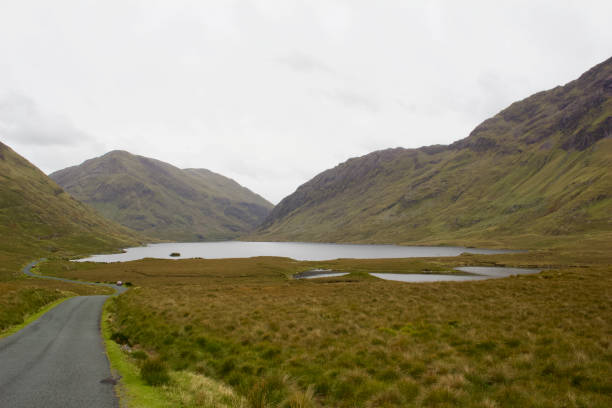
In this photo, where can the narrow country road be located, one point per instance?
(59, 360)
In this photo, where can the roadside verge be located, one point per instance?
(32, 318)
(131, 389)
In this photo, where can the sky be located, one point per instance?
(272, 92)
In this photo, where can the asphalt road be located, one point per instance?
(59, 360)
(28, 271)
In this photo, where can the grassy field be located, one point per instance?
(356, 341)
(24, 296)
(182, 389)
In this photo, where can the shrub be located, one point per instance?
(267, 392)
(120, 338)
(139, 355)
(154, 372)
(409, 389)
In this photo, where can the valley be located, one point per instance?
(233, 329)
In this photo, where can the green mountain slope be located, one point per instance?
(37, 218)
(163, 201)
(537, 171)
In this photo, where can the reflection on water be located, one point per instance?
(302, 251)
(318, 273)
(497, 271)
(415, 277)
(324, 275)
(480, 273)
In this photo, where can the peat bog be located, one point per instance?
(528, 340)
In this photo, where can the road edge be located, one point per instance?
(33, 317)
(130, 389)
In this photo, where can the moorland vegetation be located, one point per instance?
(528, 341)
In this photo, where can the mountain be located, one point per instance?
(540, 169)
(163, 201)
(38, 218)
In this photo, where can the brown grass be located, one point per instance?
(539, 340)
(24, 296)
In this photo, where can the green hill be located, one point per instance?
(37, 218)
(163, 201)
(540, 171)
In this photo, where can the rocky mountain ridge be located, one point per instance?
(163, 201)
(541, 167)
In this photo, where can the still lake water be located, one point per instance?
(497, 271)
(301, 251)
(326, 275)
(479, 273)
(421, 277)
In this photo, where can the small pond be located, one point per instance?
(497, 271)
(478, 273)
(318, 273)
(421, 277)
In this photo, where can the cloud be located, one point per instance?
(305, 63)
(354, 100)
(22, 122)
(271, 92)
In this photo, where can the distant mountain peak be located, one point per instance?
(118, 153)
(162, 200)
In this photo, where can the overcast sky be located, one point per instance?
(270, 93)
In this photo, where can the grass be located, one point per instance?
(489, 201)
(181, 389)
(38, 219)
(541, 340)
(30, 318)
(24, 296)
(133, 391)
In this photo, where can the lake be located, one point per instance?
(301, 251)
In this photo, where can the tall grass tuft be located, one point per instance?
(302, 399)
(268, 392)
(154, 372)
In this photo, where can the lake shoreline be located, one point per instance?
(301, 251)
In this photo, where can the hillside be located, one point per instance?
(37, 218)
(538, 170)
(163, 201)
